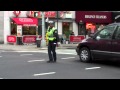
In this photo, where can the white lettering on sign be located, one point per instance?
(11, 39)
(30, 39)
(25, 20)
(96, 16)
(89, 16)
(29, 24)
(76, 38)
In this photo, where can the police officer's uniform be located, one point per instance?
(53, 38)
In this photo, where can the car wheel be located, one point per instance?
(85, 55)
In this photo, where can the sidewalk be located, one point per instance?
(33, 47)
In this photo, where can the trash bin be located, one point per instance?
(38, 43)
(19, 40)
(38, 40)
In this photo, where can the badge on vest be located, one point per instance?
(55, 31)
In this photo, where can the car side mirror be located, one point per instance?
(91, 35)
(98, 38)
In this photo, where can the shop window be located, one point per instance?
(67, 28)
(13, 28)
(91, 28)
(81, 29)
(29, 30)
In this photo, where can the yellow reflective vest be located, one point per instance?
(50, 34)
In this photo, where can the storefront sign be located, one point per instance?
(22, 21)
(68, 14)
(19, 30)
(94, 17)
(65, 14)
(17, 13)
(29, 39)
(11, 39)
(30, 13)
(76, 39)
(49, 14)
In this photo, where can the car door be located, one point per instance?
(116, 43)
(103, 42)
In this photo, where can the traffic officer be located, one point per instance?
(53, 41)
(46, 37)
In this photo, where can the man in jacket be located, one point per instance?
(53, 40)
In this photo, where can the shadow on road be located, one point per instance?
(113, 62)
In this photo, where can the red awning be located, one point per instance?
(26, 21)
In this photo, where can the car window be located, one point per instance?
(117, 35)
(106, 33)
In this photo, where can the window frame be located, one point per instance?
(106, 27)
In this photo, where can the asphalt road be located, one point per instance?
(33, 65)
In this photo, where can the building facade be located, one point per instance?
(21, 23)
(89, 21)
(1, 27)
(64, 21)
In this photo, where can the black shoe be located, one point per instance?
(49, 61)
(54, 61)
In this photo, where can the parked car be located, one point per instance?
(103, 44)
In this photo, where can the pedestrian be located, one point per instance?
(72, 33)
(53, 41)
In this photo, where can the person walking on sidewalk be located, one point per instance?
(53, 41)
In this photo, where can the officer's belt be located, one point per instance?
(52, 37)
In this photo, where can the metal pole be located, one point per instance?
(57, 20)
(43, 42)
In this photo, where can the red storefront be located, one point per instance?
(89, 21)
(21, 27)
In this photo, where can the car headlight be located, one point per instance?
(84, 40)
(78, 45)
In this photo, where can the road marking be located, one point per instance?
(92, 68)
(31, 51)
(68, 58)
(25, 54)
(0, 56)
(36, 60)
(2, 50)
(44, 73)
(1, 78)
(24, 51)
(58, 52)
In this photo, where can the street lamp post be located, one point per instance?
(57, 20)
(43, 42)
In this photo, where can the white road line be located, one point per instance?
(92, 68)
(66, 53)
(44, 73)
(36, 60)
(43, 52)
(1, 78)
(68, 58)
(0, 56)
(26, 51)
(2, 50)
(25, 54)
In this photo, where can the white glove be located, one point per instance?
(59, 44)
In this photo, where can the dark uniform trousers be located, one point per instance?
(52, 51)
